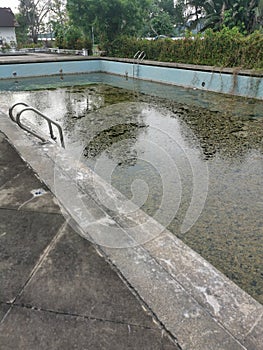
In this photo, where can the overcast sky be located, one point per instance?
(13, 4)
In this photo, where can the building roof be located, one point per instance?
(7, 18)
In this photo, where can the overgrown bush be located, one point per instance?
(72, 38)
(30, 45)
(225, 48)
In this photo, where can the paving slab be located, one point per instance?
(8, 156)
(26, 192)
(32, 329)
(3, 310)
(23, 237)
(74, 279)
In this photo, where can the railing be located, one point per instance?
(139, 56)
(17, 119)
(82, 52)
(137, 59)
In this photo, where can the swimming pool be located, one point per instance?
(153, 142)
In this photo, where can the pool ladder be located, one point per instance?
(137, 59)
(17, 119)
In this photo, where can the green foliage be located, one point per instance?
(159, 18)
(21, 30)
(162, 24)
(29, 45)
(247, 15)
(225, 48)
(108, 18)
(244, 14)
(71, 37)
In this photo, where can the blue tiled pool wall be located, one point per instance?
(48, 68)
(242, 85)
(249, 86)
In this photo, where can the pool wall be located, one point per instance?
(209, 80)
(228, 81)
(24, 70)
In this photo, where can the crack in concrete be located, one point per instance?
(31, 211)
(69, 314)
(42, 257)
(254, 325)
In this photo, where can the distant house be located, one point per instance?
(7, 26)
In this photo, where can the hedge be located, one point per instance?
(226, 48)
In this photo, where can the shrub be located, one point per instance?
(225, 48)
(72, 38)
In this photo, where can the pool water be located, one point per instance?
(159, 144)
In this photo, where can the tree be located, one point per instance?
(21, 30)
(161, 24)
(58, 20)
(259, 15)
(109, 18)
(159, 18)
(215, 12)
(232, 13)
(58, 12)
(244, 14)
(71, 37)
(57, 15)
(32, 14)
(189, 12)
(179, 12)
(167, 6)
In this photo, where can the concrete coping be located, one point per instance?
(200, 307)
(51, 57)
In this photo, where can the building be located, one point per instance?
(7, 27)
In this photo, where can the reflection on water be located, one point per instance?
(127, 136)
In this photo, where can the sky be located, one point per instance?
(13, 4)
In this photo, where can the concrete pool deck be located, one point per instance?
(194, 302)
(56, 291)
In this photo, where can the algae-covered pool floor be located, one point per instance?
(164, 153)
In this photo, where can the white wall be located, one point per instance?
(7, 34)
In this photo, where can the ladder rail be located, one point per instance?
(50, 122)
(137, 58)
(139, 55)
(136, 55)
(13, 107)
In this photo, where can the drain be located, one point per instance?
(38, 192)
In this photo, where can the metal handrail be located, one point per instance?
(17, 120)
(12, 108)
(138, 57)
